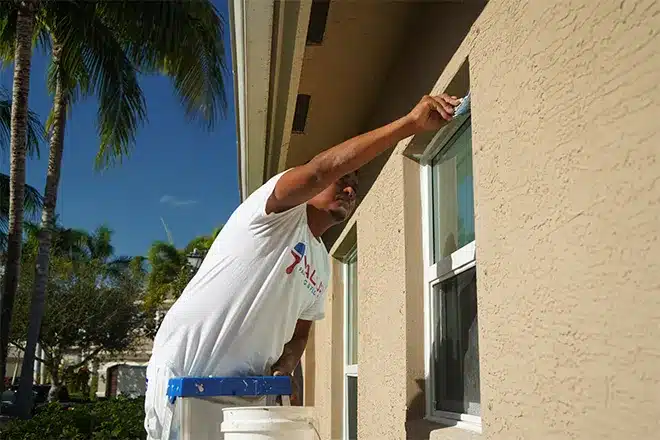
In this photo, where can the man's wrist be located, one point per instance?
(406, 127)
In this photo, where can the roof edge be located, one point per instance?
(266, 78)
(251, 22)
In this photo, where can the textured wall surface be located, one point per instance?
(399, 70)
(325, 389)
(566, 107)
(391, 333)
(566, 143)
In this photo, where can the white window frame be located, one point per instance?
(350, 370)
(436, 272)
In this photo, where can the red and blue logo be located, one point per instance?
(308, 272)
(298, 253)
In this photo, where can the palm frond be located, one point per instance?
(92, 53)
(8, 15)
(36, 133)
(31, 229)
(33, 202)
(99, 244)
(41, 38)
(70, 242)
(182, 39)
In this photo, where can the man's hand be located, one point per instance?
(432, 111)
(295, 387)
(290, 358)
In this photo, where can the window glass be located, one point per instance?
(453, 196)
(456, 354)
(352, 407)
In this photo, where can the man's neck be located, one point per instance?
(318, 221)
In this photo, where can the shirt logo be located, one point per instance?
(308, 272)
(298, 253)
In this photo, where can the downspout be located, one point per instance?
(237, 31)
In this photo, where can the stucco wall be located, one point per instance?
(567, 171)
(388, 223)
(566, 147)
(324, 386)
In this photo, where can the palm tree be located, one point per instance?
(96, 49)
(67, 243)
(98, 246)
(32, 203)
(165, 278)
(16, 30)
(170, 270)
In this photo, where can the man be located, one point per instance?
(249, 309)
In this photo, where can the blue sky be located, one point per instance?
(177, 170)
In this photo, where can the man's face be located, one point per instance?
(338, 199)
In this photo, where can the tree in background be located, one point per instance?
(96, 49)
(170, 273)
(32, 203)
(81, 315)
(32, 200)
(16, 31)
(91, 307)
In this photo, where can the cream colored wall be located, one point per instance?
(391, 341)
(567, 173)
(566, 161)
(391, 338)
(324, 382)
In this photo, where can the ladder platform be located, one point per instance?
(228, 386)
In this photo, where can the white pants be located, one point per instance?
(161, 420)
(159, 412)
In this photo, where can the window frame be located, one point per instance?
(436, 272)
(350, 370)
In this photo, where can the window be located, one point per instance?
(300, 113)
(350, 346)
(452, 340)
(318, 18)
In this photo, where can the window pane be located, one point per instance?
(456, 353)
(352, 313)
(453, 197)
(351, 416)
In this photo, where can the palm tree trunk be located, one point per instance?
(19, 120)
(44, 237)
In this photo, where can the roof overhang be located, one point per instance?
(268, 43)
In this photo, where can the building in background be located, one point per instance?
(500, 279)
(118, 373)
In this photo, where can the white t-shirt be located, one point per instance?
(262, 274)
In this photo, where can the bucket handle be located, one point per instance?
(286, 401)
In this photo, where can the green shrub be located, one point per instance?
(115, 419)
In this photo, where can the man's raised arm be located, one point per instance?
(304, 182)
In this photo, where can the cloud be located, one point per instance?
(176, 202)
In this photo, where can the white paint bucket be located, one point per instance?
(270, 423)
